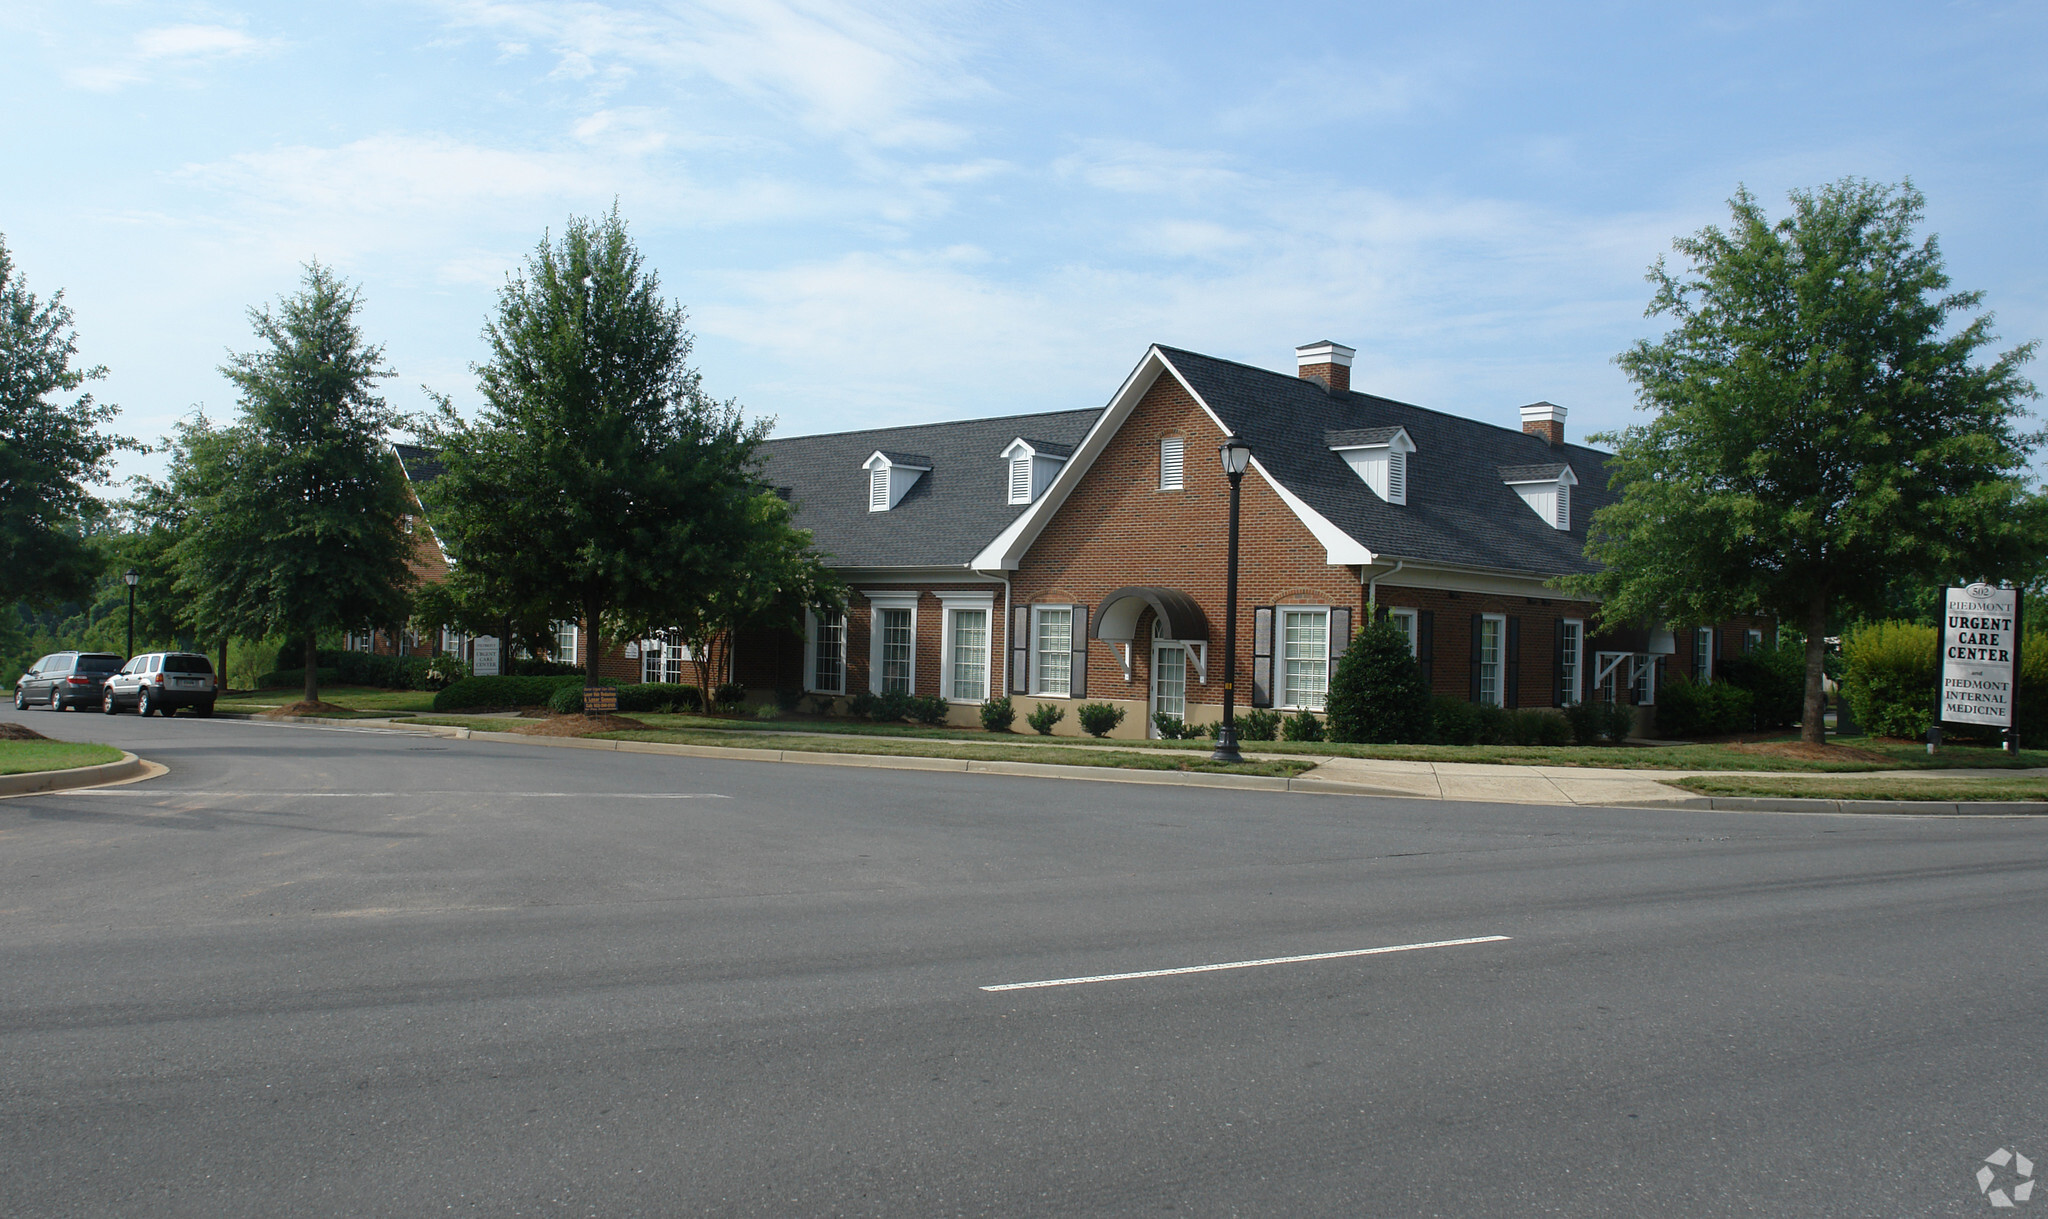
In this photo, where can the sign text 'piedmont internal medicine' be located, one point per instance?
(1979, 648)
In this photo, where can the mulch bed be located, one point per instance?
(1806, 752)
(20, 732)
(294, 710)
(578, 724)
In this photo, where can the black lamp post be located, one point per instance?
(131, 580)
(1236, 455)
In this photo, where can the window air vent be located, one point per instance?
(1171, 451)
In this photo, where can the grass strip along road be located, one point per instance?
(1886, 787)
(34, 757)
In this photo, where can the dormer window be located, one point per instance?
(1032, 466)
(1547, 489)
(1379, 456)
(890, 477)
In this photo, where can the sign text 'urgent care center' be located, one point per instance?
(1979, 655)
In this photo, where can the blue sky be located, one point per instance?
(924, 211)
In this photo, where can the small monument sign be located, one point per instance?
(484, 659)
(1980, 655)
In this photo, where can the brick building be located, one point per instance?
(1079, 556)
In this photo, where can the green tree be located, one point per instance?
(599, 481)
(1377, 694)
(49, 449)
(1822, 426)
(296, 528)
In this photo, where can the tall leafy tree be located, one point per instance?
(50, 448)
(598, 480)
(1823, 425)
(297, 525)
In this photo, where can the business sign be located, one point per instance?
(484, 660)
(1979, 655)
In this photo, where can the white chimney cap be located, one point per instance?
(1543, 412)
(1325, 352)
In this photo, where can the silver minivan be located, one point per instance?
(162, 682)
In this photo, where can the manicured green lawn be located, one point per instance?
(1889, 787)
(1897, 755)
(28, 757)
(357, 698)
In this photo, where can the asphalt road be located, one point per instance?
(324, 971)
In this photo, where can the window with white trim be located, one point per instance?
(826, 650)
(1405, 619)
(1571, 650)
(1752, 639)
(565, 642)
(967, 655)
(1703, 655)
(1052, 650)
(1171, 452)
(1644, 686)
(1305, 656)
(1491, 629)
(897, 629)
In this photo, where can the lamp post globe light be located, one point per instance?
(131, 580)
(1236, 455)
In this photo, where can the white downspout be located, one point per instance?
(1372, 586)
(1009, 621)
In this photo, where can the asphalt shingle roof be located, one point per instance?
(1458, 510)
(421, 465)
(945, 519)
(1354, 437)
(1532, 474)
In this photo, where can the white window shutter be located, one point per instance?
(878, 489)
(1397, 477)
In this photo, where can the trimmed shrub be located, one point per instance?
(1302, 726)
(1496, 724)
(475, 692)
(928, 709)
(1534, 727)
(1259, 724)
(1453, 721)
(1377, 695)
(729, 695)
(1099, 719)
(1173, 728)
(1890, 673)
(295, 679)
(1047, 715)
(1685, 709)
(1776, 681)
(768, 711)
(657, 695)
(822, 704)
(997, 715)
(788, 698)
(881, 708)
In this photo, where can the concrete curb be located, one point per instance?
(1176, 778)
(129, 767)
(1879, 808)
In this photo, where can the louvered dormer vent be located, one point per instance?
(1546, 488)
(1379, 456)
(890, 477)
(1033, 464)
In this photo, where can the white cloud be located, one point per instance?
(166, 48)
(837, 67)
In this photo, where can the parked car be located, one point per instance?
(162, 682)
(65, 679)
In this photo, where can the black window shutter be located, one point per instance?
(1425, 647)
(1020, 649)
(1262, 656)
(1557, 662)
(1477, 625)
(1080, 685)
(1719, 635)
(1511, 681)
(1340, 637)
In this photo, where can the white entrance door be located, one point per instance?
(1169, 682)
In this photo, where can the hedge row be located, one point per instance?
(1890, 671)
(295, 679)
(563, 693)
(368, 669)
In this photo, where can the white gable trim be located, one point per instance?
(1007, 551)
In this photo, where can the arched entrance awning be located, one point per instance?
(1116, 619)
(1181, 620)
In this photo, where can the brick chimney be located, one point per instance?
(1545, 419)
(1327, 364)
